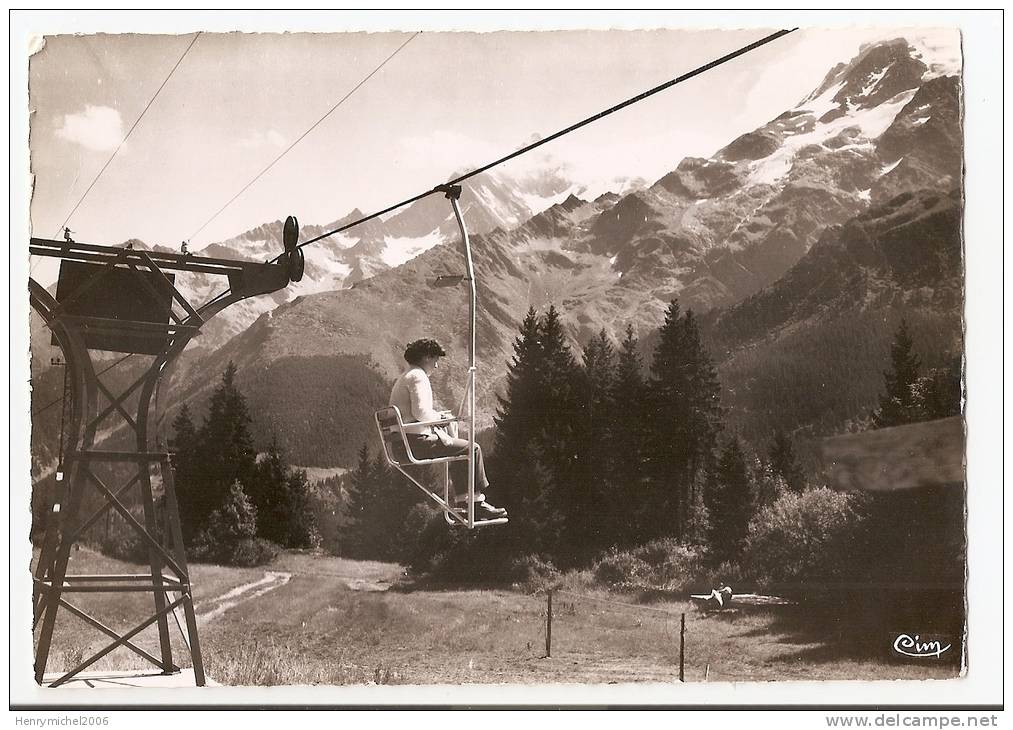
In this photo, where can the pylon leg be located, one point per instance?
(175, 533)
(155, 560)
(47, 553)
(52, 593)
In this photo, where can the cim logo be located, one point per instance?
(915, 646)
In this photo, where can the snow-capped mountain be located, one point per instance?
(713, 232)
(490, 200)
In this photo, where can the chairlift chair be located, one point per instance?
(390, 423)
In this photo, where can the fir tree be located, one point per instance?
(535, 465)
(684, 421)
(234, 521)
(301, 525)
(784, 463)
(938, 393)
(379, 501)
(282, 498)
(595, 501)
(267, 491)
(363, 496)
(629, 435)
(396, 499)
(185, 476)
(517, 423)
(898, 406)
(559, 432)
(517, 411)
(224, 452)
(730, 504)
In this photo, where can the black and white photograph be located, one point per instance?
(499, 358)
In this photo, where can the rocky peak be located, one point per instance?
(571, 203)
(878, 73)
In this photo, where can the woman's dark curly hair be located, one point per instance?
(422, 348)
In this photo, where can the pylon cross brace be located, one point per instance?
(76, 332)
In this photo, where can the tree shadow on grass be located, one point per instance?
(863, 625)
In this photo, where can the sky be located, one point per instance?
(447, 102)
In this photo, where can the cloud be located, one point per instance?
(270, 138)
(97, 128)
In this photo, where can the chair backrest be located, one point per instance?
(391, 430)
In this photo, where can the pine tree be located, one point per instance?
(517, 424)
(784, 462)
(897, 406)
(224, 452)
(395, 499)
(379, 501)
(185, 472)
(267, 491)
(730, 504)
(595, 499)
(301, 529)
(363, 496)
(629, 433)
(684, 402)
(559, 429)
(938, 393)
(519, 407)
(234, 521)
(535, 465)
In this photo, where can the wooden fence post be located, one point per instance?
(548, 626)
(682, 648)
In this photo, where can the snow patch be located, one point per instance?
(890, 167)
(771, 169)
(341, 240)
(873, 82)
(399, 249)
(865, 195)
(494, 207)
(820, 105)
(871, 123)
(921, 120)
(536, 203)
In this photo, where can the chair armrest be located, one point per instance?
(441, 422)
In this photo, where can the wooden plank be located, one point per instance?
(903, 457)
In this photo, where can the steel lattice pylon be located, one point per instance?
(80, 327)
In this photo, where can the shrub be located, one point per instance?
(621, 570)
(804, 539)
(533, 573)
(127, 545)
(419, 523)
(674, 566)
(252, 551)
(664, 564)
(230, 531)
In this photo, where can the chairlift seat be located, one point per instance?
(396, 448)
(398, 453)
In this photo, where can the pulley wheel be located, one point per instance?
(291, 234)
(296, 264)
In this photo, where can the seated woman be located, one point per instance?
(413, 396)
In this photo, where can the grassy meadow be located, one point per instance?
(317, 619)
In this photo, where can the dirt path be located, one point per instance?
(242, 594)
(360, 576)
